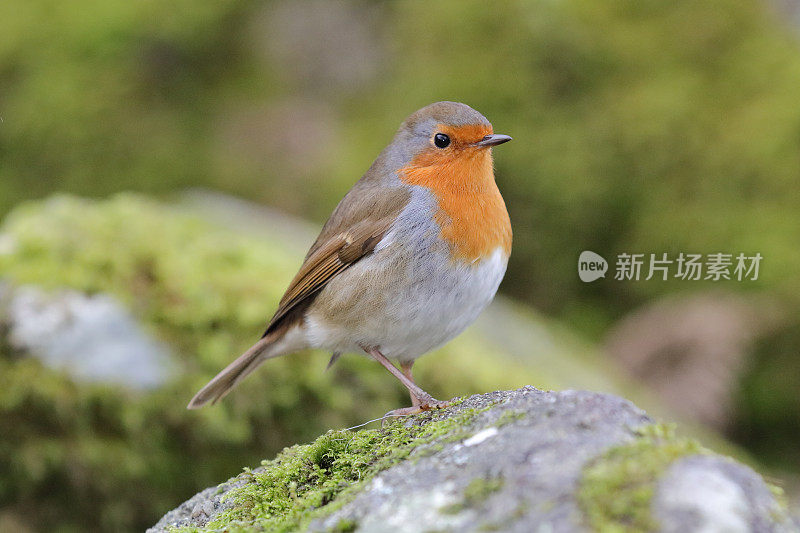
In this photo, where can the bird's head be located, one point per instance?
(444, 133)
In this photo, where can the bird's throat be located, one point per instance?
(472, 214)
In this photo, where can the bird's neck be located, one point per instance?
(472, 214)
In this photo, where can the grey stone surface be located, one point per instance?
(90, 337)
(712, 494)
(537, 458)
(200, 508)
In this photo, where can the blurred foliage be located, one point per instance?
(95, 94)
(640, 126)
(88, 456)
(768, 404)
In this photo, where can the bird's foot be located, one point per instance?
(425, 403)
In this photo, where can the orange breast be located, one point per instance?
(472, 214)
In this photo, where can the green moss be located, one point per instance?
(310, 481)
(510, 416)
(479, 489)
(475, 494)
(617, 487)
(345, 526)
(781, 509)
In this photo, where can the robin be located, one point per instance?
(409, 258)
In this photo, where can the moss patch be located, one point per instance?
(480, 489)
(475, 493)
(617, 487)
(510, 416)
(309, 481)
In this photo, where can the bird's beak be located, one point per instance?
(493, 140)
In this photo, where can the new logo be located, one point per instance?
(591, 266)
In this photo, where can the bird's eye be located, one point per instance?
(441, 140)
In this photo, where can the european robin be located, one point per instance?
(409, 258)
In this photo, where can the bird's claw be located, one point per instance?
(427, 404)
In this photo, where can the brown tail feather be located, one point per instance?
(231, 375)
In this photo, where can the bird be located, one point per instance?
(409, 258)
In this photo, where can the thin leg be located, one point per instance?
(424, 401)
(412, 387)
(405, 366)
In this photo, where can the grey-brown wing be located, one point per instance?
(352, 233)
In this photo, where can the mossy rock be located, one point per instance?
(504, 461)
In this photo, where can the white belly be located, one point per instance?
(438, 308)
(405, 302)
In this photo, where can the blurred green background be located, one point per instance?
(639, 126)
